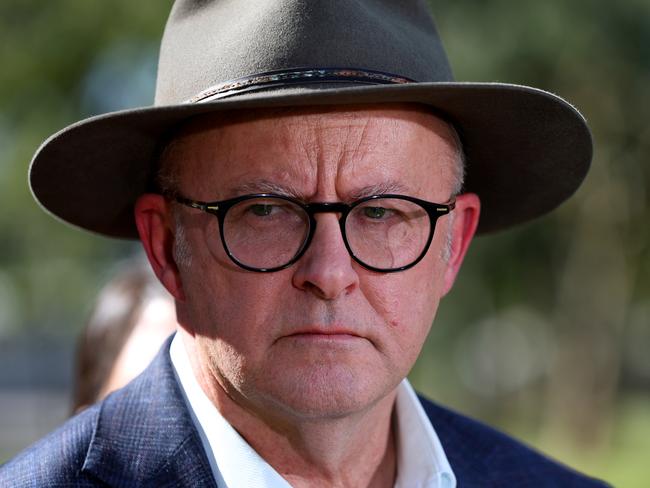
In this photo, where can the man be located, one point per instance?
(297, 189)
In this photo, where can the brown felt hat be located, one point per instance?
(527, 150)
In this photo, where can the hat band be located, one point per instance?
(297, 76)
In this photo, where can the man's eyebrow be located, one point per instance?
(379, 189)
(266, 186)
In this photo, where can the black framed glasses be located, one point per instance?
(265, 232)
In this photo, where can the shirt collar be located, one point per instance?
(421, 460)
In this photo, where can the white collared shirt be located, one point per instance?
(421, 460)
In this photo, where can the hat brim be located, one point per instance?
(527, 150)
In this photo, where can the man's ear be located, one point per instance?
(466, 215)
(152, 218)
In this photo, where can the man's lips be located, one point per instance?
(325, 334)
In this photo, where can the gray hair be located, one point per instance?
(458, 176)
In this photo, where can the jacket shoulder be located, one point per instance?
(482, 456)
(140, 435)
(55, 460)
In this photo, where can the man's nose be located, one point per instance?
(326, 268)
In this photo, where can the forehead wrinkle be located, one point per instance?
(262, 185)
(370, 136)
(383, 188)
(354, 150)
(284, 169)
(442, 157)
(339, 140)
(320, 139)
(303, 153)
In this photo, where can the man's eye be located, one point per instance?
(262, 210)
(374, 212)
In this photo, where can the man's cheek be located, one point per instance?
(388, 300)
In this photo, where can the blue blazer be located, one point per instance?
(143, 436)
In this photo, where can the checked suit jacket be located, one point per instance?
(143, 436)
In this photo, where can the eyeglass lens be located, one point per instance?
(268, 232)
(265, 232)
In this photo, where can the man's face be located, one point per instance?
(324, 337)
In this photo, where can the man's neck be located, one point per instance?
(352, 450)
(357, 451)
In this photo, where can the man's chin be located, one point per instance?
(324, 393)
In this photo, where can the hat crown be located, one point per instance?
(209, 42)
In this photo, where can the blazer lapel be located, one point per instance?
(145, 436)
(466, 453)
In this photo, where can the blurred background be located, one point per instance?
(547, 332)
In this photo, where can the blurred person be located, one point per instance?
(130, 320)
(306, 187)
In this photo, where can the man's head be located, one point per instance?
(326, 335)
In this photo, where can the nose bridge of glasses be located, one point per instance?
(327, 207)
(339, 208)
(327, 232)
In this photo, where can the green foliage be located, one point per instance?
(48, 50)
